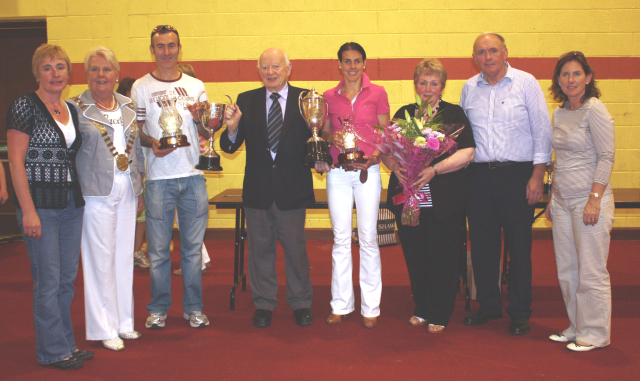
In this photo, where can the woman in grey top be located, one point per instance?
(581, 203)
(109, 165)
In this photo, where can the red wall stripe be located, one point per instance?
(381, 69)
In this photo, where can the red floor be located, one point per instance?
(232, 349)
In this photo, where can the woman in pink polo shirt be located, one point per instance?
(355, 95)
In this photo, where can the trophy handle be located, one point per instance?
(199, 95)
(302, 95)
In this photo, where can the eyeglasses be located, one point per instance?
(160, 28)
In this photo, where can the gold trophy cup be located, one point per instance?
(212, 116)
(170, 121)
(314, 111)
(350, 152)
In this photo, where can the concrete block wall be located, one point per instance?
(214, 31)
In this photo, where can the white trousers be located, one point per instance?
(342, 187)
(581, 256)
(108, 234)
(205, 253)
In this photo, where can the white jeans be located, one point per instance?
(342, 186)
(108, 234)
(581, 256)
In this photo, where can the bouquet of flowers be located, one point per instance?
(415, 142)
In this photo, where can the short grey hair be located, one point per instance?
(101, 51)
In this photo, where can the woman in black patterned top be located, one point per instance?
(43, 139)
(432, 249)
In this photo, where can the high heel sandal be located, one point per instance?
(433, 328)
(334, 319)
(417, 321)
(370, 322)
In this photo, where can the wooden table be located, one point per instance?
(624, 198)
(232, 199)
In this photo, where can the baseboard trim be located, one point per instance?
(225, 234)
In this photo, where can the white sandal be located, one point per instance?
(115, 344)
(417, 321)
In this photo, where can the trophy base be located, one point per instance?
(174, 142)
(209, 164)
(345, 160)
(547, 188)
(317, 150)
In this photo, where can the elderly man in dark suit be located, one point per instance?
(277, 187)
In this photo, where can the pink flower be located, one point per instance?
(433, 143)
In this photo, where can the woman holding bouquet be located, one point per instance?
(432, 248)
(355, 95)
(581, 203)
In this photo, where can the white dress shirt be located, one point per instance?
(284, 93)
(510, 120)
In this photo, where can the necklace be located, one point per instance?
(110, 108)
(434, 110)
(55, 110)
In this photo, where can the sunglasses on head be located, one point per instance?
(574, 53)
(160, 28)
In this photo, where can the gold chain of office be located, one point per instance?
(122, 160)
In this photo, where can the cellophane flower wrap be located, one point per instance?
(415, 142)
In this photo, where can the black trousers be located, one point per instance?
(499, 202)
(432, 253)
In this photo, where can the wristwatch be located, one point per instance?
(595, 194)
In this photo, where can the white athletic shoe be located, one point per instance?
(197, 319)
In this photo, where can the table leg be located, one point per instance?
(505, 263)
(464, 267)
(238, 256)
(243, 238)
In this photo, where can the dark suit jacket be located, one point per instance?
(284, 180)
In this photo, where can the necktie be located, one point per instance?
(274, 122)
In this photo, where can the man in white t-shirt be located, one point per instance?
(172, 180)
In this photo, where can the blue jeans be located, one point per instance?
(189, 195)
(54, 266)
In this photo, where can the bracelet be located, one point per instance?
(435, 169)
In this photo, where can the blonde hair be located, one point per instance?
(187, 69)
(101, 51)
(430, 66)
(47, 51)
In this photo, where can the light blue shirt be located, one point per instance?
(510, 121)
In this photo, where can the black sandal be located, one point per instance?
(70, 363)
(83, 355)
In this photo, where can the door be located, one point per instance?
(19, 41)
